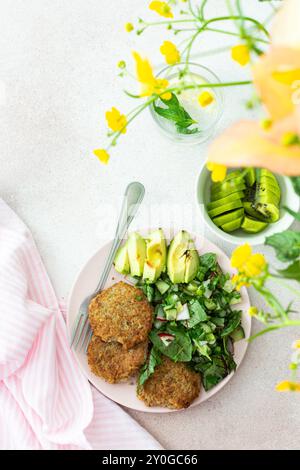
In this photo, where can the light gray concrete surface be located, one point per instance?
(58, 75)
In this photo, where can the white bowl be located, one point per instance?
(288, 198)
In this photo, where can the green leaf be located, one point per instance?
(286, 244)
(197, 314)
(147, 370)
(175, 112)
(179, 350)
(212, 371)
(296, 183)
(291, 272)
(233, 322)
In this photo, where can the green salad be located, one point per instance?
(194, 316)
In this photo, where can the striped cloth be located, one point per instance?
(45, 401)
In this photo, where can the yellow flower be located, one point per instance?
(170, 51)
(102, 155)
(296, 344)
(240, 256)
(246, 263)
(205, 98)
(218, 172)
(116, 121)
(150, 84)
(241, 54)
(162, 8)
(288, 386)
(252, 311)
(255, 265)
(129, 27)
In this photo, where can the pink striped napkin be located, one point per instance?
(45, 401)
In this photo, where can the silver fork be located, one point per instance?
(134, 194)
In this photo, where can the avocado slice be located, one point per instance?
(225, 208)
(269, 211)
(225, 192)
(233, 225)
(250, 177)
(225, 200)
(249, 209)
(182, 259)
(228, 217)
(136, 246)
(192, 264)
(121, 261)
(251, 225)
(156, 255)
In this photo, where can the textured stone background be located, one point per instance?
(57, 77)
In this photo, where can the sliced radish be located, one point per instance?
(184, 313)
(166, 338)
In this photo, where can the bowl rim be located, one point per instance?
(253, 240)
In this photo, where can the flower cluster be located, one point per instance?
(251, 267)
(292, 385)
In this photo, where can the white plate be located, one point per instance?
(124, 393)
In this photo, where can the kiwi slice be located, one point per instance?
(233, 225)
(230, 176)
(225, 192)
(262, 189)
(269, 182)
(228, 217)
(250, 210)
(225, 208)
(227, 185)
(268, 198)
(224, 200)
(250, 177)
(268, 173)
(268, 210)
(250, 225)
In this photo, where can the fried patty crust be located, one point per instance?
(114, 363)
(121, 313)
(173, 385)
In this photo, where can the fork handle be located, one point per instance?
(134, 194)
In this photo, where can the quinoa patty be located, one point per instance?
(114, 363)
(121, 313)
(173, 385)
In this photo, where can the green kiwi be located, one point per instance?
(250, 210)
(231, 197)
(250, 177)
(227, 185)
(225, 192)
(228, 217)
(233, 225)
(225, 208)
(268, 210)
(251, 225)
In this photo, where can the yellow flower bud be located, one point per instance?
(129, 27)
(102, 155)
(290, 138)
(205, 98)
(241, 54)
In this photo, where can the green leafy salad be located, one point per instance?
(194, 316)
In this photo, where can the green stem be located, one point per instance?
(275, 327)
(231, 33)
(213, 20)
(272, 301)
